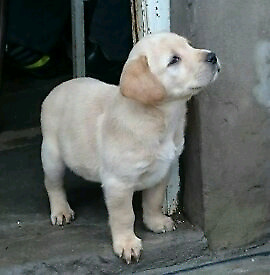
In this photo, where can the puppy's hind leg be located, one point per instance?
(53, 167)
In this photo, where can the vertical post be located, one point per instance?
(78, 42)
(3, 17)
(150, 16)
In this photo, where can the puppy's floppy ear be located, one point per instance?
(139, 83)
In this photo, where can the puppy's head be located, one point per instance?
(164, 67)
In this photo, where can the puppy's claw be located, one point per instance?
(70, 218)
(121, 255)
(129, 249)
(60, 221)
(57, 220)
(53, 220)
(135, 255)
(64, 215)
(127, 256)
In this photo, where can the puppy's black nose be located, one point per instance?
(211, 58)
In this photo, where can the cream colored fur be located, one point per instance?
(125, 137)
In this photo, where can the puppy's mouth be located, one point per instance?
(211, 77)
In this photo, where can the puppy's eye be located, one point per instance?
(175, 59)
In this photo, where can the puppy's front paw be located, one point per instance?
(159, 223)
(128, 248)
(61, 214)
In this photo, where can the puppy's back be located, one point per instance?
(76, 99)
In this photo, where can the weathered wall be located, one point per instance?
(227, 157)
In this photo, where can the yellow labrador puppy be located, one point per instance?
(126, 136)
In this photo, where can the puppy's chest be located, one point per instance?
(165, 153)
(171, 144)
(167, 150)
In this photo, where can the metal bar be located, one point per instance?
(140, 22)
(78, 42)
(3, 18)
(134, 21)
(171, 199)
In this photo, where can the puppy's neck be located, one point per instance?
(165, 116)
(174, 113)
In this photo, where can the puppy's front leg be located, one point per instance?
(153, 217)
(121, 219)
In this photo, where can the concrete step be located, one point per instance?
(254, 260)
